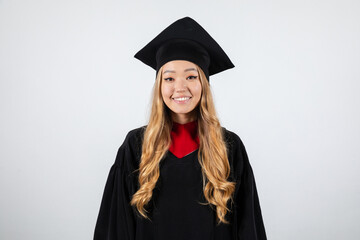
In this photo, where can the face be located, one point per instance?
(181, 89)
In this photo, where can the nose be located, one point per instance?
(180, 85)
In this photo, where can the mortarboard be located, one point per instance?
(185, 39)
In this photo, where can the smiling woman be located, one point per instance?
(181, 90)
(183, 175)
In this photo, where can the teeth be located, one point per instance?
(181, 99)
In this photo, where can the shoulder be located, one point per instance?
(129, 152)
(231, 138)
(237, 154)
(135, 136)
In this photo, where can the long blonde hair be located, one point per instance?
(212, 154)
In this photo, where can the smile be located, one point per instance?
(182, 99)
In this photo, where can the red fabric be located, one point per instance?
(184, 138)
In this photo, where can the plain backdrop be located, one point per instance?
(70, 90)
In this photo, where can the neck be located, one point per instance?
(183, 118)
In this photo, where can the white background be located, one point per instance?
(70, 90)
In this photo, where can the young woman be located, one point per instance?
(183, 175)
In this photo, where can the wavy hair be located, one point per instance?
(212, 154)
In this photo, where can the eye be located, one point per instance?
(192, 77)
(168, 79)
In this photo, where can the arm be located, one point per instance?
(116, 219)
(249, 219)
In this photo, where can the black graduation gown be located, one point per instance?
(175, 211)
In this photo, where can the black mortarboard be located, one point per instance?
(185, 39)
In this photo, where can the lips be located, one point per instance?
(181, 99)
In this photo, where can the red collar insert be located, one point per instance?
(184, 138)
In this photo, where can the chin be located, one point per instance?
(181, 111)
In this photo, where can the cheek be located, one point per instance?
(197, 90)
(165, 92)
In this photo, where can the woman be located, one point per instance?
(183, 175)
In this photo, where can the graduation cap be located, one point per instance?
(185, 39)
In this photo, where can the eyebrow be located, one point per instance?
(186, 70)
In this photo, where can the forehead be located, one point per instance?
(178, 65)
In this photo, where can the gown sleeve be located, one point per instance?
(249, 219)
(116, 218)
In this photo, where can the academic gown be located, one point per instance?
(175, 211)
